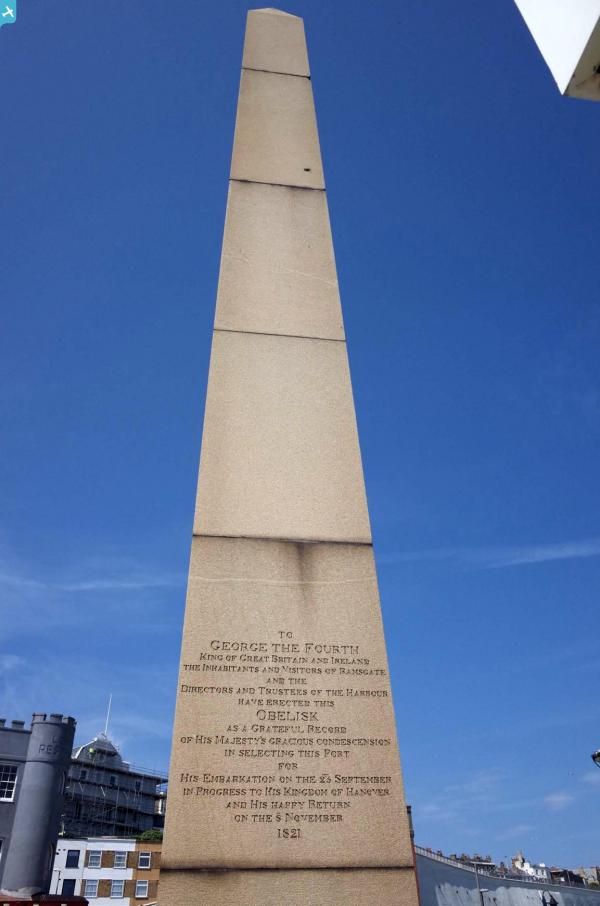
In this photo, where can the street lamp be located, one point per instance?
(480, 890)
(596, 757)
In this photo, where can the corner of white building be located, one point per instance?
(567, 33)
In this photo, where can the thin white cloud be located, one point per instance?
(517, 830)
(22, 583)
(557, 802)
(488, 792)
(167, 581)
(481, 791)
(496, 557)
(591, 777)
(141, 715)
(542, 553)
(10, 662)
(116, 583)
(67, 596)
(479, 786)
(124, 728)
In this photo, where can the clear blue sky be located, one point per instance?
(464, 195)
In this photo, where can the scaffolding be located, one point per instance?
(105, 796)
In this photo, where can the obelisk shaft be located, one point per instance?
(285, 781)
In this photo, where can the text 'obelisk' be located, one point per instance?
(285, 782)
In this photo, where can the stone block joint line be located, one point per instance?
(285, 783)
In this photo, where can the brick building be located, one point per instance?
(42, 899)
(107, 871)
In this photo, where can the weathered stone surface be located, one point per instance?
(276, 137)
(284, 678)
(280, 455)
(275, 42)
(285, 783)
(389, 887)
(291, 290)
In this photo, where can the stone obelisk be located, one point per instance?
(285, 783)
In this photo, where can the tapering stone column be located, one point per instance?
(285, 782)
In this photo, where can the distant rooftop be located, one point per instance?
(102, 752)
(98, 749)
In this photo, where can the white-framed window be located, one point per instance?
(120, 859)
(117, 888)
(141, 889)
(145, 860)
(90, 889)
(8, 781)
(94, 858)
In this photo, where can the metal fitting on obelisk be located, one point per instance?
(285, 783)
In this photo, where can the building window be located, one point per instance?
(145, 860)
(117, 888)
(113, 780)
(141, 889)
(8, 782)
(120, 860)
(72, 858)
(138, 785)
(94, 858)
(90, 888)
(82, 774)
(68, 887)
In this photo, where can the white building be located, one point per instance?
(107, 870)
(539, 872)
(567, 33)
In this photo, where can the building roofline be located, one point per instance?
(129, 769)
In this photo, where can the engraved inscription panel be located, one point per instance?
(284, 750)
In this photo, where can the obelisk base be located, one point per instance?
(299, 887)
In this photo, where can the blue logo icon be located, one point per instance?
(9, 12)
